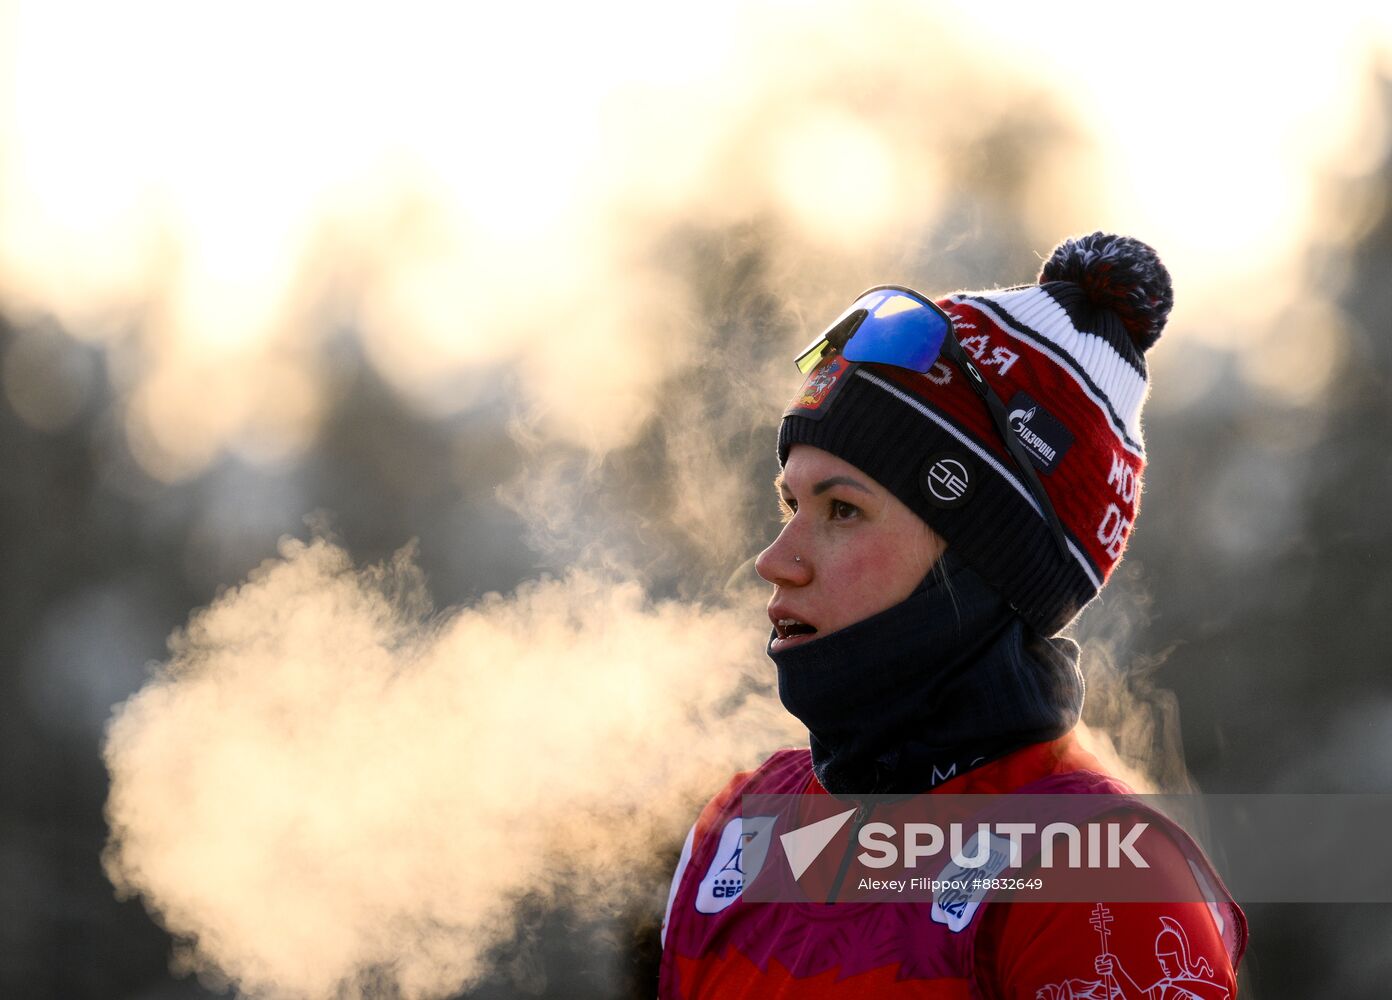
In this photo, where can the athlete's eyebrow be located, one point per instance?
(827, 484)
(818, 489)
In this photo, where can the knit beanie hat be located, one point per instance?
(1067, 357)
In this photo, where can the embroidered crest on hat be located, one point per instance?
(947, 479)
(821, 387)
(1045, 438)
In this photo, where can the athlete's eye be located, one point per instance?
(787, 507)
(841, 510)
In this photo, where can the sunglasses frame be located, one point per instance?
(840, 333)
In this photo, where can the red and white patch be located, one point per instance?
(820, 388)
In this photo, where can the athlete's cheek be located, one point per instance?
(866, 568)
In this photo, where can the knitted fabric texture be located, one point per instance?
(1066, 357)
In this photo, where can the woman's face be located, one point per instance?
(849, 549)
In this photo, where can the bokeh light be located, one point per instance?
(468, 188)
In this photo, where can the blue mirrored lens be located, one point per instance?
(899, 329)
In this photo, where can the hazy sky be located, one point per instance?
(210, 190)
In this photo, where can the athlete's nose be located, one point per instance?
(785, 563)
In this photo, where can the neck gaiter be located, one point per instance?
(941, 683)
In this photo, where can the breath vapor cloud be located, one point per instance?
(329, 782)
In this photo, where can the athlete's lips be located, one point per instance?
(789, 626)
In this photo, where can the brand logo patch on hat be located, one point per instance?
(947, 480)
(821, 387)
(1043, 435)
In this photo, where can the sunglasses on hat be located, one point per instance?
(893, 325)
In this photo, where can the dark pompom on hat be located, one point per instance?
(1119, 274)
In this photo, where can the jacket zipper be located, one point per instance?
(862, 816)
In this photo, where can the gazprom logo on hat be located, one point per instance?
(1043, 435)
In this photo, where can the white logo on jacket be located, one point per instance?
(1184, 975)
(955, 907)
(739, 856)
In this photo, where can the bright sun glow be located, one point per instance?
(1213, 123)
(468, 186)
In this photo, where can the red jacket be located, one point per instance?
(716, 944)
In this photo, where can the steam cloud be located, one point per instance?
(328, 779)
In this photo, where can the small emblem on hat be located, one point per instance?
(1044, 436)
(947, 480)
(821, 387)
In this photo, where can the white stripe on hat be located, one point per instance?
(1103, 375)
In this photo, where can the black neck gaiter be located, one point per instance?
(939, 684)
